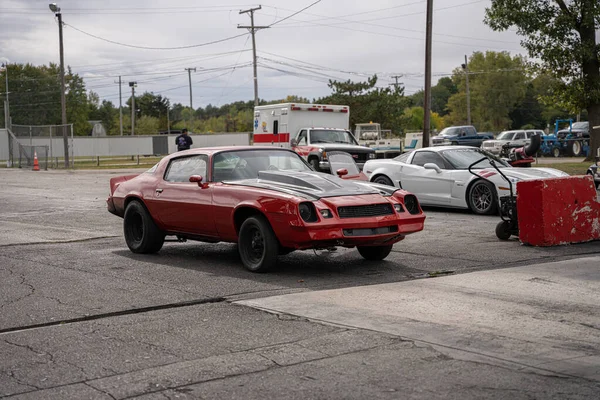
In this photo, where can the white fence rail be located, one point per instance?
(84, 146)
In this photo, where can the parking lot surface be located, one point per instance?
(83, 317)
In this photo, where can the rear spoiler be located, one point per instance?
(116, 181)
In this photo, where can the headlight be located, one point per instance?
(446, 141)
(308, 212)
(411, 203)
(398, 208)
(326, 214)
(372, 156)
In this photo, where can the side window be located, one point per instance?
(520, 136)
(275, 127)
(180, 169)
(403, 157)
(302, 138)
(423, 157)
(470, 131)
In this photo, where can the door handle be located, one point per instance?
(159, 190)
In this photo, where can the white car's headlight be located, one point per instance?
(372, 156)
(446, 141)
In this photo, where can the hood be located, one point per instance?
(312, 185)
(533, 173)
(348, 148)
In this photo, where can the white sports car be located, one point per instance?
(439, 176)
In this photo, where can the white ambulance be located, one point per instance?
(309, 129)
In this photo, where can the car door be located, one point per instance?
(430, 186)
(302, 147)
(185, 206)
(519, 140)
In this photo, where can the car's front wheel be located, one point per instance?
(258, 245)
(482, 199)
(374, 253)
(141, 233)
(383, 180)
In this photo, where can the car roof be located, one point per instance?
(213, 150)
(442, 148)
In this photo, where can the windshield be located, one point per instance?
(462, 158)
(341, 160)
(331, 136)
(448, 132)
(505, 136)
(580, 125)
(246, 164)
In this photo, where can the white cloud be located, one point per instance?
(339, 35)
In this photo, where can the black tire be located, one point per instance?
(482, 198)
(257, 244)
(576, 148)
(374, 253)
(141, 233)
(314, 162)
(556, 152)
(383, 180)
(503, 230)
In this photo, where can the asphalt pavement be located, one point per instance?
(83, 317)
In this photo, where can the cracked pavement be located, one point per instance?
(63, 262)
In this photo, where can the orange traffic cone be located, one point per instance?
(36, 164)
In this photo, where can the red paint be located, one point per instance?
(272, 138)
(558, 211)
(208, 211)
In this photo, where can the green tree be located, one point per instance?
(368, 102)
(497, 83)
(440, 93)
(562, 36)
(414, 117)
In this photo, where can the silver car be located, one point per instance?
(516, 138)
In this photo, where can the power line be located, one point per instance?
(296, 13)
(156, 48)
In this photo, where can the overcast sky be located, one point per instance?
(333, 39)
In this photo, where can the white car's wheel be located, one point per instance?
(482, 198)
(383, 180)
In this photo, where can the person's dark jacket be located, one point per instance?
(183, 142)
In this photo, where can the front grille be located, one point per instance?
(360, 157)
(489, 144)
(370, 231)
(371, 210)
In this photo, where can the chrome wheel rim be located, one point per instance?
(482, 197)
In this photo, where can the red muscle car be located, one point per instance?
(266, 199)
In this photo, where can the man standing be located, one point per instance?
(183, 141)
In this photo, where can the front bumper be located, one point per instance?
(377, 231)
(324, 165)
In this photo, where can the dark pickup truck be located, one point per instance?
(460, 135)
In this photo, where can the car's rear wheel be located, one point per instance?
(482, 199)
(374, 253)
(257, 244)
(383, 180)
(141, 233)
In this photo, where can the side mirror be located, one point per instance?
(341, 172)
(198, 179)
(432, 166)
(293, 142)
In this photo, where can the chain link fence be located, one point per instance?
(28, 155)
(51, 136)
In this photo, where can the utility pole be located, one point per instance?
(427, 93)
(63, 104)
(465, 66)
(132, 85)
(120, 106)
(396, 77)
(189, 70)
(252, 30)
(7, 104)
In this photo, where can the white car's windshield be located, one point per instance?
(505, 136)
(331, 136)
(462, 158)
